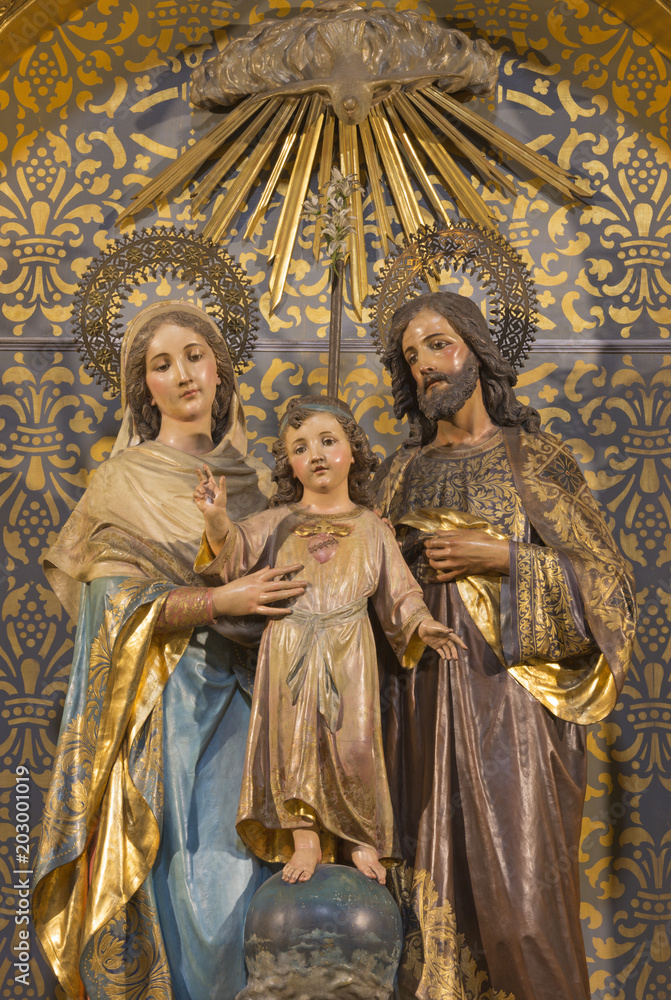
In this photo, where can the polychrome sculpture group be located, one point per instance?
(514, 630)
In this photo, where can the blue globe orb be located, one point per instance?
(337, 935)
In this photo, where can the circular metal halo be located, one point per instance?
(223, 287)
(466, 247)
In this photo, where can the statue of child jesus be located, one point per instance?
(314, 771)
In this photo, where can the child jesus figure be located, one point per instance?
(314, 772)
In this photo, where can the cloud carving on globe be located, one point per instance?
(354, 58)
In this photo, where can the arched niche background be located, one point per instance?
(100, 103)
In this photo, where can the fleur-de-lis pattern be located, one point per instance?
(94, 107)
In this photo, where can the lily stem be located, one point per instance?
(335, 326)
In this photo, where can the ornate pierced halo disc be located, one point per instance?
(116, 276)
(503, 277)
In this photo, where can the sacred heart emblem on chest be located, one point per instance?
(323, 537)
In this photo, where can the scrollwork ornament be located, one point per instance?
(465, 247)
(222, 287)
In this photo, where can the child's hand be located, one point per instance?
(441, 638)
(210, 498)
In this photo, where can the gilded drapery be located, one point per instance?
(486, 764)
(317, 679)
(560, 507)
(139, 852)
(106, 789)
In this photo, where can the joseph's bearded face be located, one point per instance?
(445, 370)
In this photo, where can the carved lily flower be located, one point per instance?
(333, 213)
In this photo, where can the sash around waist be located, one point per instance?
(319, 668)
(328, 619)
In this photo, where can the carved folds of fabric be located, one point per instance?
(560, 504)
(126, 959)
(435, 956)
(109, 758)
(548, 609)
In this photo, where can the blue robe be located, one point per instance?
(149, 771)
(141, 883)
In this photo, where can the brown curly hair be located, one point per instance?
(289, 489)
(147, 417)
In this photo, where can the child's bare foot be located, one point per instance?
(366, 860)
(302, 866)
(307, 855)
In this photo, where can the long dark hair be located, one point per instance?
(497, 376)
(147, 417)
(290, 489)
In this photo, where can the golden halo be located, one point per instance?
(114, 276)
(463, 246)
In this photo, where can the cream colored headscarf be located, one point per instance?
(138, 518)
(235, 434)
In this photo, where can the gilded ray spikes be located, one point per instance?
(232, 202)
(412, 156)
(237, 148)
(349, 165)
(287, 227)
(184, 168)
(399, 130)
(396, 175)
(375, 177)
(271, 183)
(324, 174)
(510, 146)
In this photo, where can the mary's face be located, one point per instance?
(181, 373)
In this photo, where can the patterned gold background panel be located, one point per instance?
(98, 106)
(101, 104)
(623, 847)
(614, 412)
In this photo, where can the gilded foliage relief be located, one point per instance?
(94, 108)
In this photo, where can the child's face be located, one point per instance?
(319, 454)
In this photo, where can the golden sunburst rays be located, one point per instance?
(292, 205)
(400, 146)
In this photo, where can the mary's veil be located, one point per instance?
(138, 517)
(235, 434)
